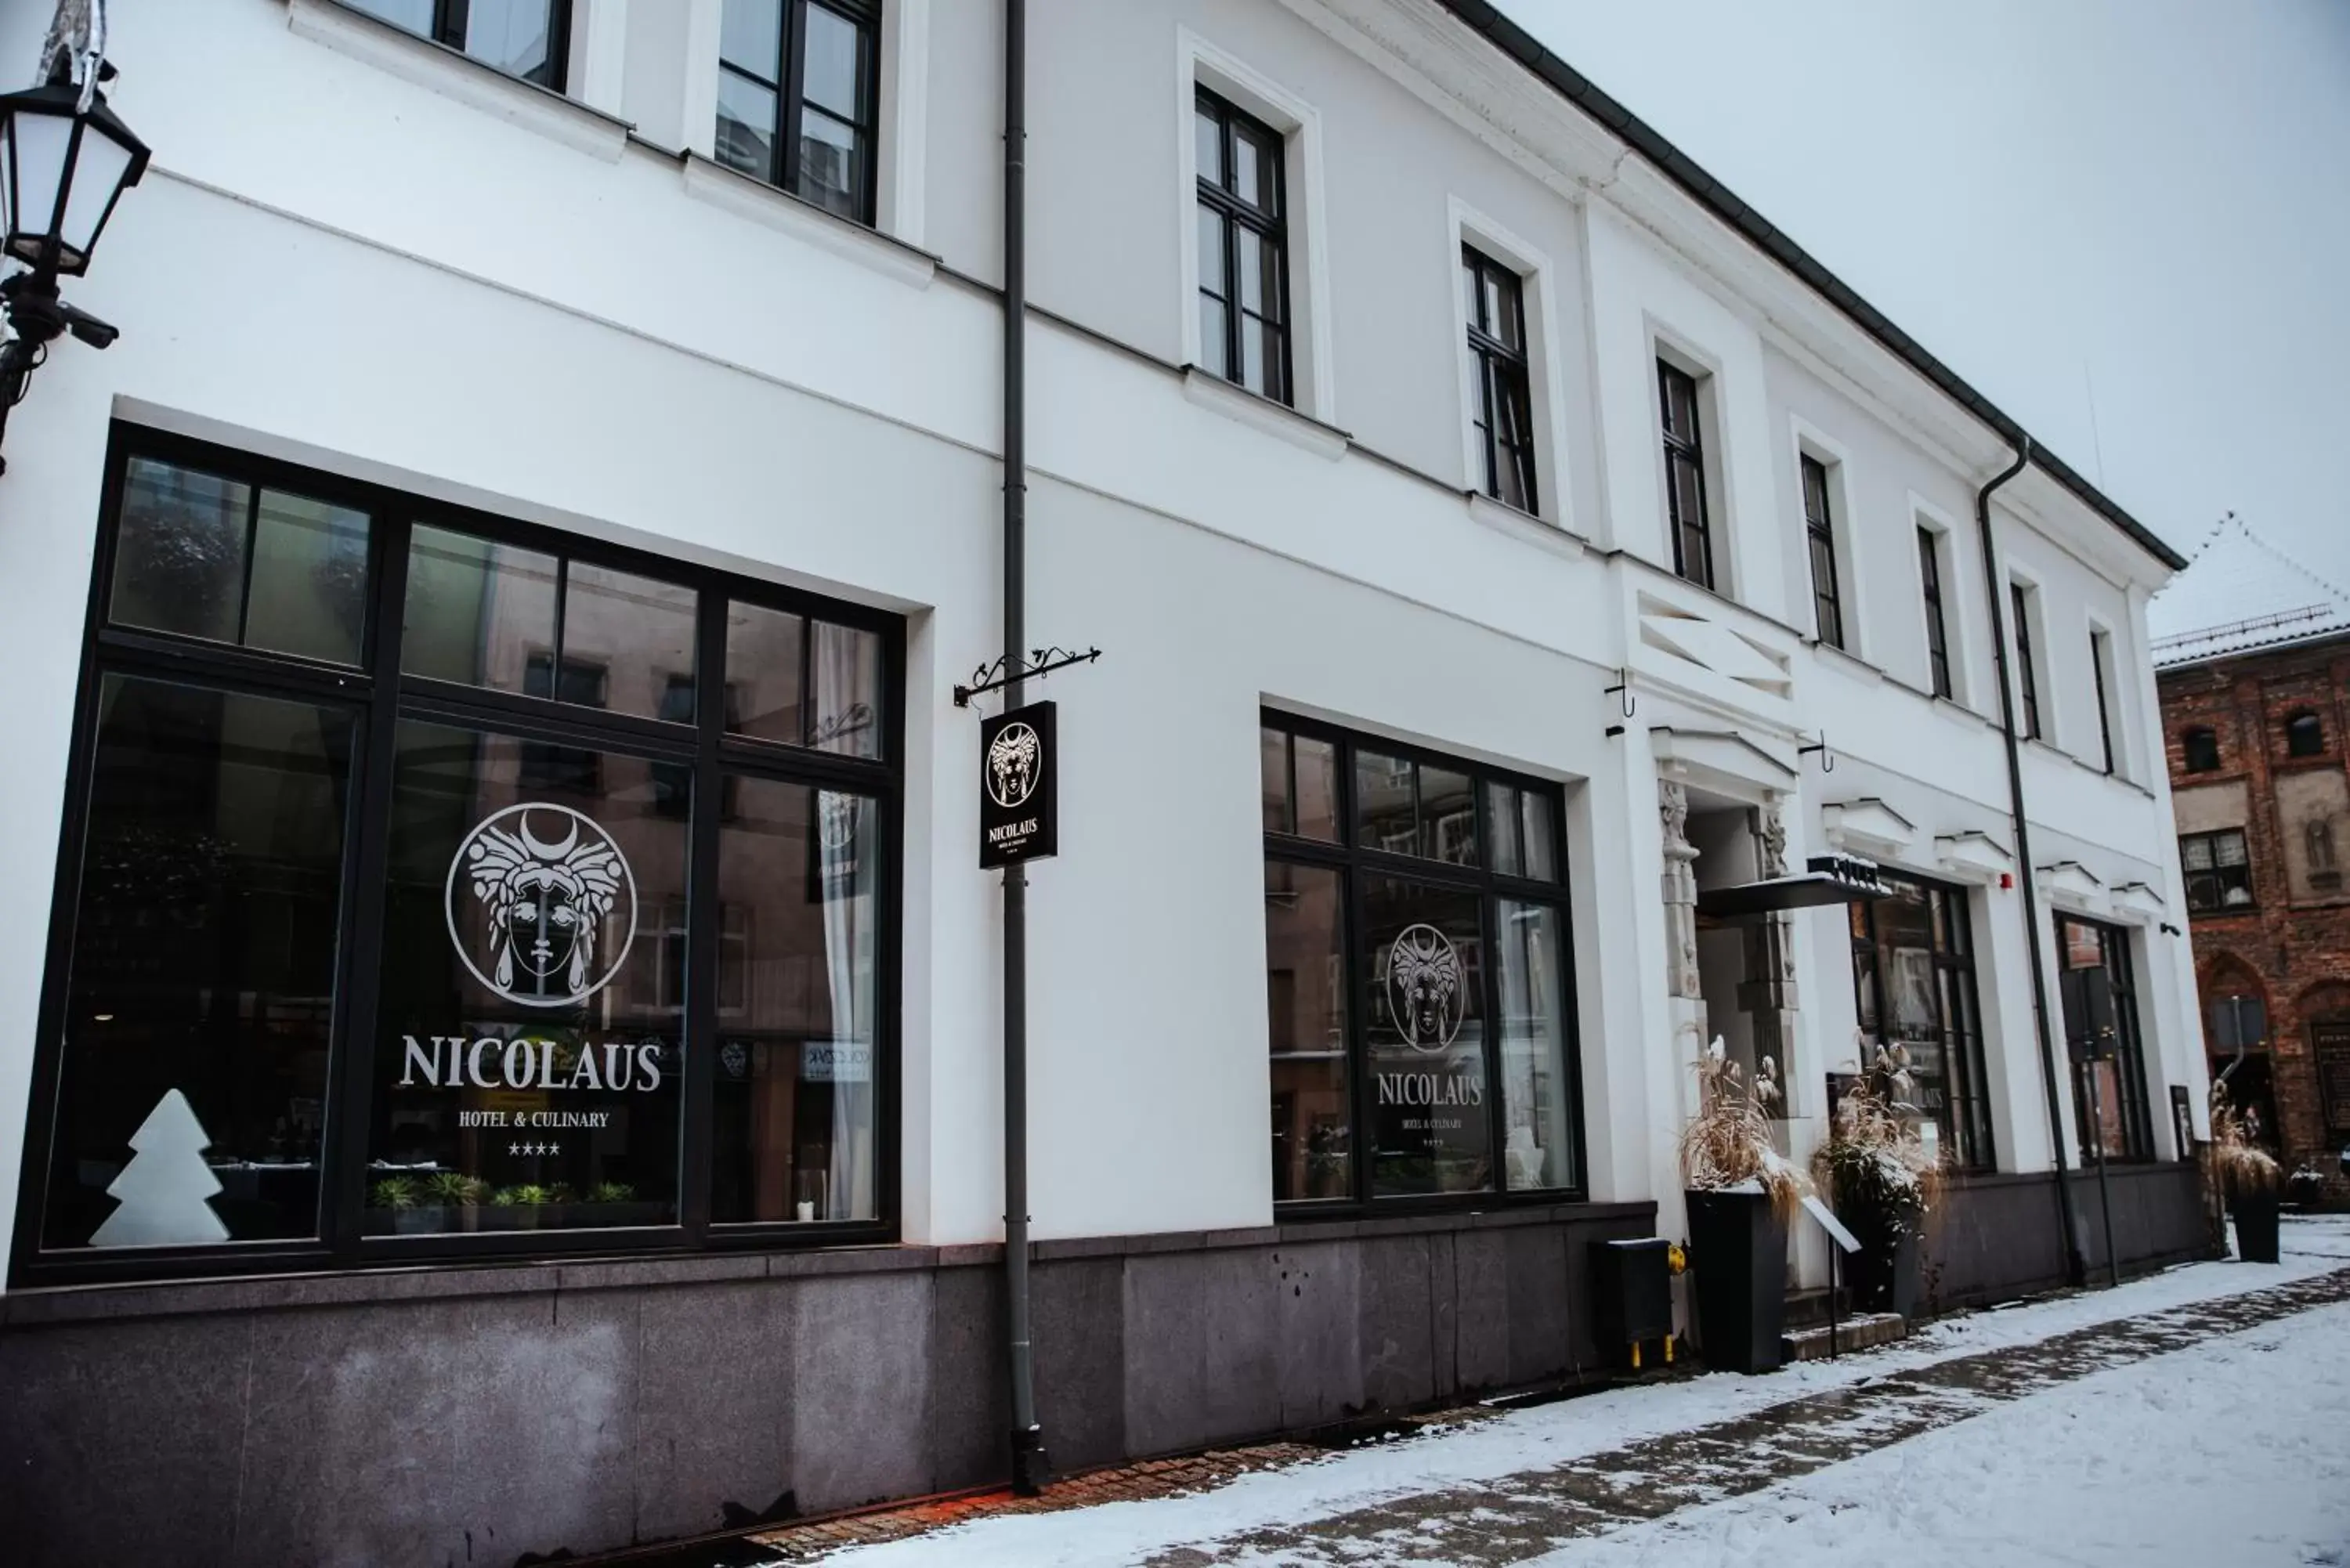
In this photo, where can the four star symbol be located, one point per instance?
(533, 1148)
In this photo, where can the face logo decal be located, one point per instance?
(835, 825)
(555, 915)
(1012, 761)
(1425, 995)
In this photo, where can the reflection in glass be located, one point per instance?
(308, 594)
(846, 693)
(832, 69)
(529, 1060)
(476, 610)
(1448, 817)
(179, 563)
(639, 629)
(797, 1075)
(751, 34)
(746, 125)
(763, 664)
(202, 965)
(1384, 811)
(516, 36)
(1317, 789)
(1272, 774)
(1538, 1142)
(1307, 1008)
(1503, 852)
(1424, 959)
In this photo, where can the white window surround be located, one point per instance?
(1956, 637)
(901, 128)
(455, 75)
(1809, 440)
(1201, 63)
(1467, 226)
(1682, 352)
(2117, 710)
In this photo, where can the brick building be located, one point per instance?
(2256, 723)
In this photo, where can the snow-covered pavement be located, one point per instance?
(2197, 1416)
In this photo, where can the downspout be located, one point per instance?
(1029, 1468)
(2076, 1268)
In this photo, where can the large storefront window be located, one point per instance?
(438, 886)
(1416, 944)
(2099, 992)
(1913, 973)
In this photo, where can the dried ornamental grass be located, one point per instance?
(2233, 1163)
(1727, 1148)
(1873, 1157)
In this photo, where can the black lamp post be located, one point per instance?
(62, 169)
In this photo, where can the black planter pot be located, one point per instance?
(1885, 1275)
(1738, 1247)
(2255, 1214)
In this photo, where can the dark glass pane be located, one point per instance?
(308, 594)
(1272, 770)
(1423, 960)
(476, 610)
(640, 629)
(832, 163)
(1318, 788)
(1213, 326)
(2194, 853)
(1211, 253)
(547, 765)
(1537, 815)
(1472, 296)
(1254, 361)
(518, 36)
(1274, 353)
(1506, 311)
(751, 34)
(833, 72)
(179, 563)
(529, 1056)
(1863, 976)
(1503, 852)
(1207, 146)
(1256, 168)
(1815, 492)
(1252, 271)
(1448, 815)
(1537, 1113)
(1383, 811)
(746, 126)
(846, 695)
(1306, 1010)
(799, 1087)
(763, 673)
(192, 1096)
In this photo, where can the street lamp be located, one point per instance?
(65, 160)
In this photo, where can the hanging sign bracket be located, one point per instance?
(997, 674)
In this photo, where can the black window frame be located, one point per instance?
(1504, 389)
(2100, 673)
(2198, 749)
(1683, 442)
(2208, 887)
(379, 694)
(2128, 1049)
(1819, 532)
(1965, 1119)
(789, 85)
(448, 30)
(1234, 212)
(1938, 632)
(1353, 862)
(2305, 734)
(2027, 669)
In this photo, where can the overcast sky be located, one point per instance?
(2148, 197)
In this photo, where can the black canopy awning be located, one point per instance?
(1830, 879)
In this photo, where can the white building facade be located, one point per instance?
(498, 844)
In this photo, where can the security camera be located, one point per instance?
(88, 328)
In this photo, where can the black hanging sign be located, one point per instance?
(1018, 799)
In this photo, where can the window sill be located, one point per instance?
(1244, 407)
(453, 73)
(1859, 666)
(1533, 529)
(778, 208)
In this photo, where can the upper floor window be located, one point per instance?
(2198, 750)
(1937, 639)
(1504, 412)
(1819, 529)
(1244, 239)
(2027, 674)
(2219, 870)
(1685, 475)
(2101, 671)
(798, 98)
(2305, 735)
(525, 38)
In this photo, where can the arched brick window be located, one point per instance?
(2305, 735)
(2198, 750)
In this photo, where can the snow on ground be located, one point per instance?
(2235, 1453)
(1560, 1433)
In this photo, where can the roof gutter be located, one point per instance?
(1717, 199)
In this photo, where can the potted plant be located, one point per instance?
(522, 1205)
(459, 1198)
(1883, 1183)
(2244, 1176)
(2305, 1187)
(1740, 1190)
(400, 1195)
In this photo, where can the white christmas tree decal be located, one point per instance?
(166, 1188)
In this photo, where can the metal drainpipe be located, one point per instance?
(2075, 1267)
(1030, 1470)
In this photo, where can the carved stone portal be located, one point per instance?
(1680, 891)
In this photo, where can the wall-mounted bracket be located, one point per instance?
(1624, 686)
(1828, 758)
(1041, 662)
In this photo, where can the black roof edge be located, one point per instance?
(1717, 199)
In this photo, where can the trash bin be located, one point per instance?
(1633, 1297)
